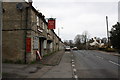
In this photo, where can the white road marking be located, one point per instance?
(114, 63)
(73, 65)
(99, 57)
(76, 76)
(74, 70)
(67, 52)
(72, 60)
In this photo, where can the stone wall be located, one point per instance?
(21, 24)
(13, 33)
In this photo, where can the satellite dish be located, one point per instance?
(19, 6)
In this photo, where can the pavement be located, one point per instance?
(30, 70)
(63, 70)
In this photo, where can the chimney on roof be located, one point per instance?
(30, 2)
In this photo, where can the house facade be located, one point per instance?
(25, 32)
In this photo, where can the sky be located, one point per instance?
(76, 16)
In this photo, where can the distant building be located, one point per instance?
(94, 43)
(97, 42)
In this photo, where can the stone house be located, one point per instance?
(25, 32)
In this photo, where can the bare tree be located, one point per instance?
(85, 39)
(66, 42)
(104, 40)
(69, 43)
(85, 36)
(78, 41)
(81, 41)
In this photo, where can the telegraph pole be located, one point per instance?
(107, 29)
(1, 10)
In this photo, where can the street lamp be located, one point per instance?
(59, 31)
(59, 36)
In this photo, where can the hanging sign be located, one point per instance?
(51, 23)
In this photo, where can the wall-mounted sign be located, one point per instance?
(28, 45)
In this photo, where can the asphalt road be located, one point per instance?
(86, 65)
(95, 64)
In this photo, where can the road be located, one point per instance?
(95, 64)
(85, 64)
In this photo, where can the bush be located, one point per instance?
(110, 50)
(101, 49)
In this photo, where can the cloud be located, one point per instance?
(76, 16)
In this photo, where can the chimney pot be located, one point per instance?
(30, 2)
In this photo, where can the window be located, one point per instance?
(38, 21)
(43, 25)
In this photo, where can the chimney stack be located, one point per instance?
(30, 2)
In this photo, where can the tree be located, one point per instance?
(71, 44)
(115, 36)
(81, 41)
(78, 41)
(104, 40)
(85, 37)
(68, 42)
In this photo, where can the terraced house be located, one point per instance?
(25, 31)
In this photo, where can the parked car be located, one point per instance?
(74, 48)
(67, 48)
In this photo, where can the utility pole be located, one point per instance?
(107, 29)
(1, 10)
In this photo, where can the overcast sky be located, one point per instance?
(76, 16)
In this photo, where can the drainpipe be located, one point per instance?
(1, 10)
(25, 55)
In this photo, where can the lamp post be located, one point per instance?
(59, 36)
(59, 31)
